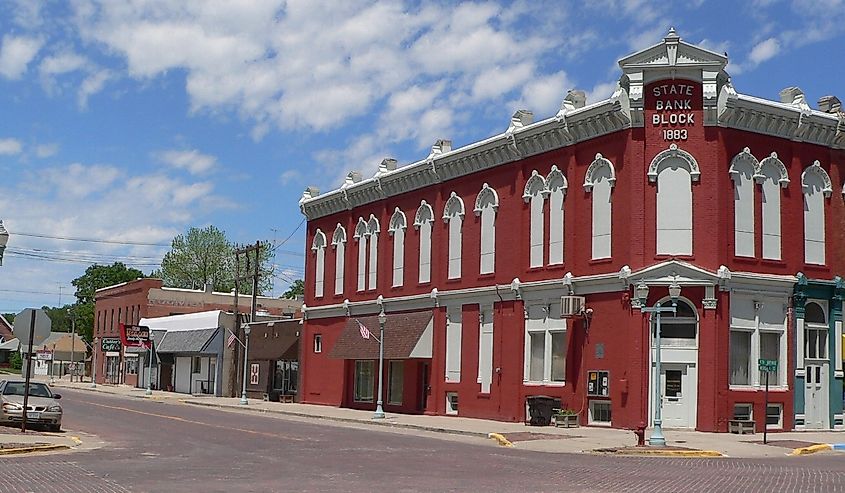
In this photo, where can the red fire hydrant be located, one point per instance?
(640, 432)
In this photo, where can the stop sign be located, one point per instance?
(23, 321)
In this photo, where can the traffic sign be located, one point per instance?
(767, 364)
(42, 355)
(23, 321)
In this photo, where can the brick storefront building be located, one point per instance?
(129, 302)
(675, 180)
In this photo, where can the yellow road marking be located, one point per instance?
(201, 423)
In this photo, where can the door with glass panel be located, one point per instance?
(679, 395)
(815, 396)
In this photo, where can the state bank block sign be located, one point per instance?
(675, 109)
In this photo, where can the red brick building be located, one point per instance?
(129, 302)
(676, 179)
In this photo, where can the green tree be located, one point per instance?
(205, 256)
(15, 360)
(296, 288)
(95, 277)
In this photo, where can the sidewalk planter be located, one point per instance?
(741, 426)
(567, 419)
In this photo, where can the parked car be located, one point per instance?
(42, 407)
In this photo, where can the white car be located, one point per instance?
(43, 408)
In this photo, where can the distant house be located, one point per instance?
(6, 330)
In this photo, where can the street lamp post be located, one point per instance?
(244, 401)
(72, 346)
(94, 367)
(149, 390)
(382, 318)
(657, 439)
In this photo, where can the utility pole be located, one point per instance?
(72, 346)
(254, 276)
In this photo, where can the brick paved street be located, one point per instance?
(164, 447)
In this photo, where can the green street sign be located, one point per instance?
(767, 364)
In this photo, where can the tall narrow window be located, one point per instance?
(453, 215)
(674, 171)
(485, 206)
(743, 169)
(485, 348)
(773, 177)
(361, 235)
(557, 185)
(373, 229)
(535, 195)
(816, 186)
(422, 221)
(398, 224)
(318, 246)
(339, 243)
(599, 180)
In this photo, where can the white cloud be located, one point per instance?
(16, 53)
(61, 63)
(92, 84)
(43, 151)
(543, 95)
(10, 147)
(764, 50)
(192, 160)
(289, 176)
(79, 181)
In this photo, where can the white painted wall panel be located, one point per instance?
(485, 349)
(319, 274)
(455, 247)
(744, 209)
(602, 214)
(536, 238)
(556, 227)
(362, 263)
(373, 263)
(339, 254)
(814, 234)
(453, 343)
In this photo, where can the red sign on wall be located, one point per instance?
(135, 335)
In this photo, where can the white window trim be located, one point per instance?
(827, 189)
(486, 203)
(373, 229)
(398, 224)
(361, 235)
(339, 244)
(589, 183)
(781, 181)
(453, 209)
(556, 181)
(318, 246)
(318, 343)
(424, 218)
(756, 383)
(655, 169)
(593, 422)
(547, 350)
(739, 180)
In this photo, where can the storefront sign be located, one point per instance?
(110, 344)
(254, 370)
(675, 105)
(135, 335)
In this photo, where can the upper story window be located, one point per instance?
(453, 215)
(557, 185)
(422, 222)
(361, 235)
(816, 186)
(815, 330)
(318, 246)
(397, 227)
(339, 244)
(599, 180)
(773, 177)
(674, 170)
(485, 206)
(743, 169)
(373, 229)
(535, 195)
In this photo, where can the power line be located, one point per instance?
(290, 235)
(92, 240)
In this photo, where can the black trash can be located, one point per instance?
(540, 410)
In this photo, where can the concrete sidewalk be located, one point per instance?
(546, 439)
(13, 442)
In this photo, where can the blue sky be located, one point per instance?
(132, 121)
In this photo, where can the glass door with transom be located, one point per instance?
(816, 366)
(678, 370)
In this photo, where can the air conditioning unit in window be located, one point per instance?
(571, 306)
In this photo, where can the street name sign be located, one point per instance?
(23, 323)
(767, 364)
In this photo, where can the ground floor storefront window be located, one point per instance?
(364, 378)
(285, 376)
(397, 383)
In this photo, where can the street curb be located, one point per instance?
(704, 454)
(34, 448)
(812, 449)
(504, 442)
(343, 420)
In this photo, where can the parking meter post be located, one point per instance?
(28, 371)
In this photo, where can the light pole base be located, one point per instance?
(149, 391)
(379, 414)
(243, 401)
(657, 439)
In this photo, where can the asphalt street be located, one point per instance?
(152, 446)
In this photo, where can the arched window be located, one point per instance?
(679, 329)
(318, 246)
(816, 185)
(422, 222)
(773, 177)
(535, 195)
(816, 331)
(373, 230)
(743, 169)
(453, 215)
(557, 185)
(398, 224)
(361, 235)
(600, 179)
(485, 206)
(339, 243)
(674, 170)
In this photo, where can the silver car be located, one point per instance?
(42, 407)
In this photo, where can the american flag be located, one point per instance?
(231, 339)
(365, 332)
